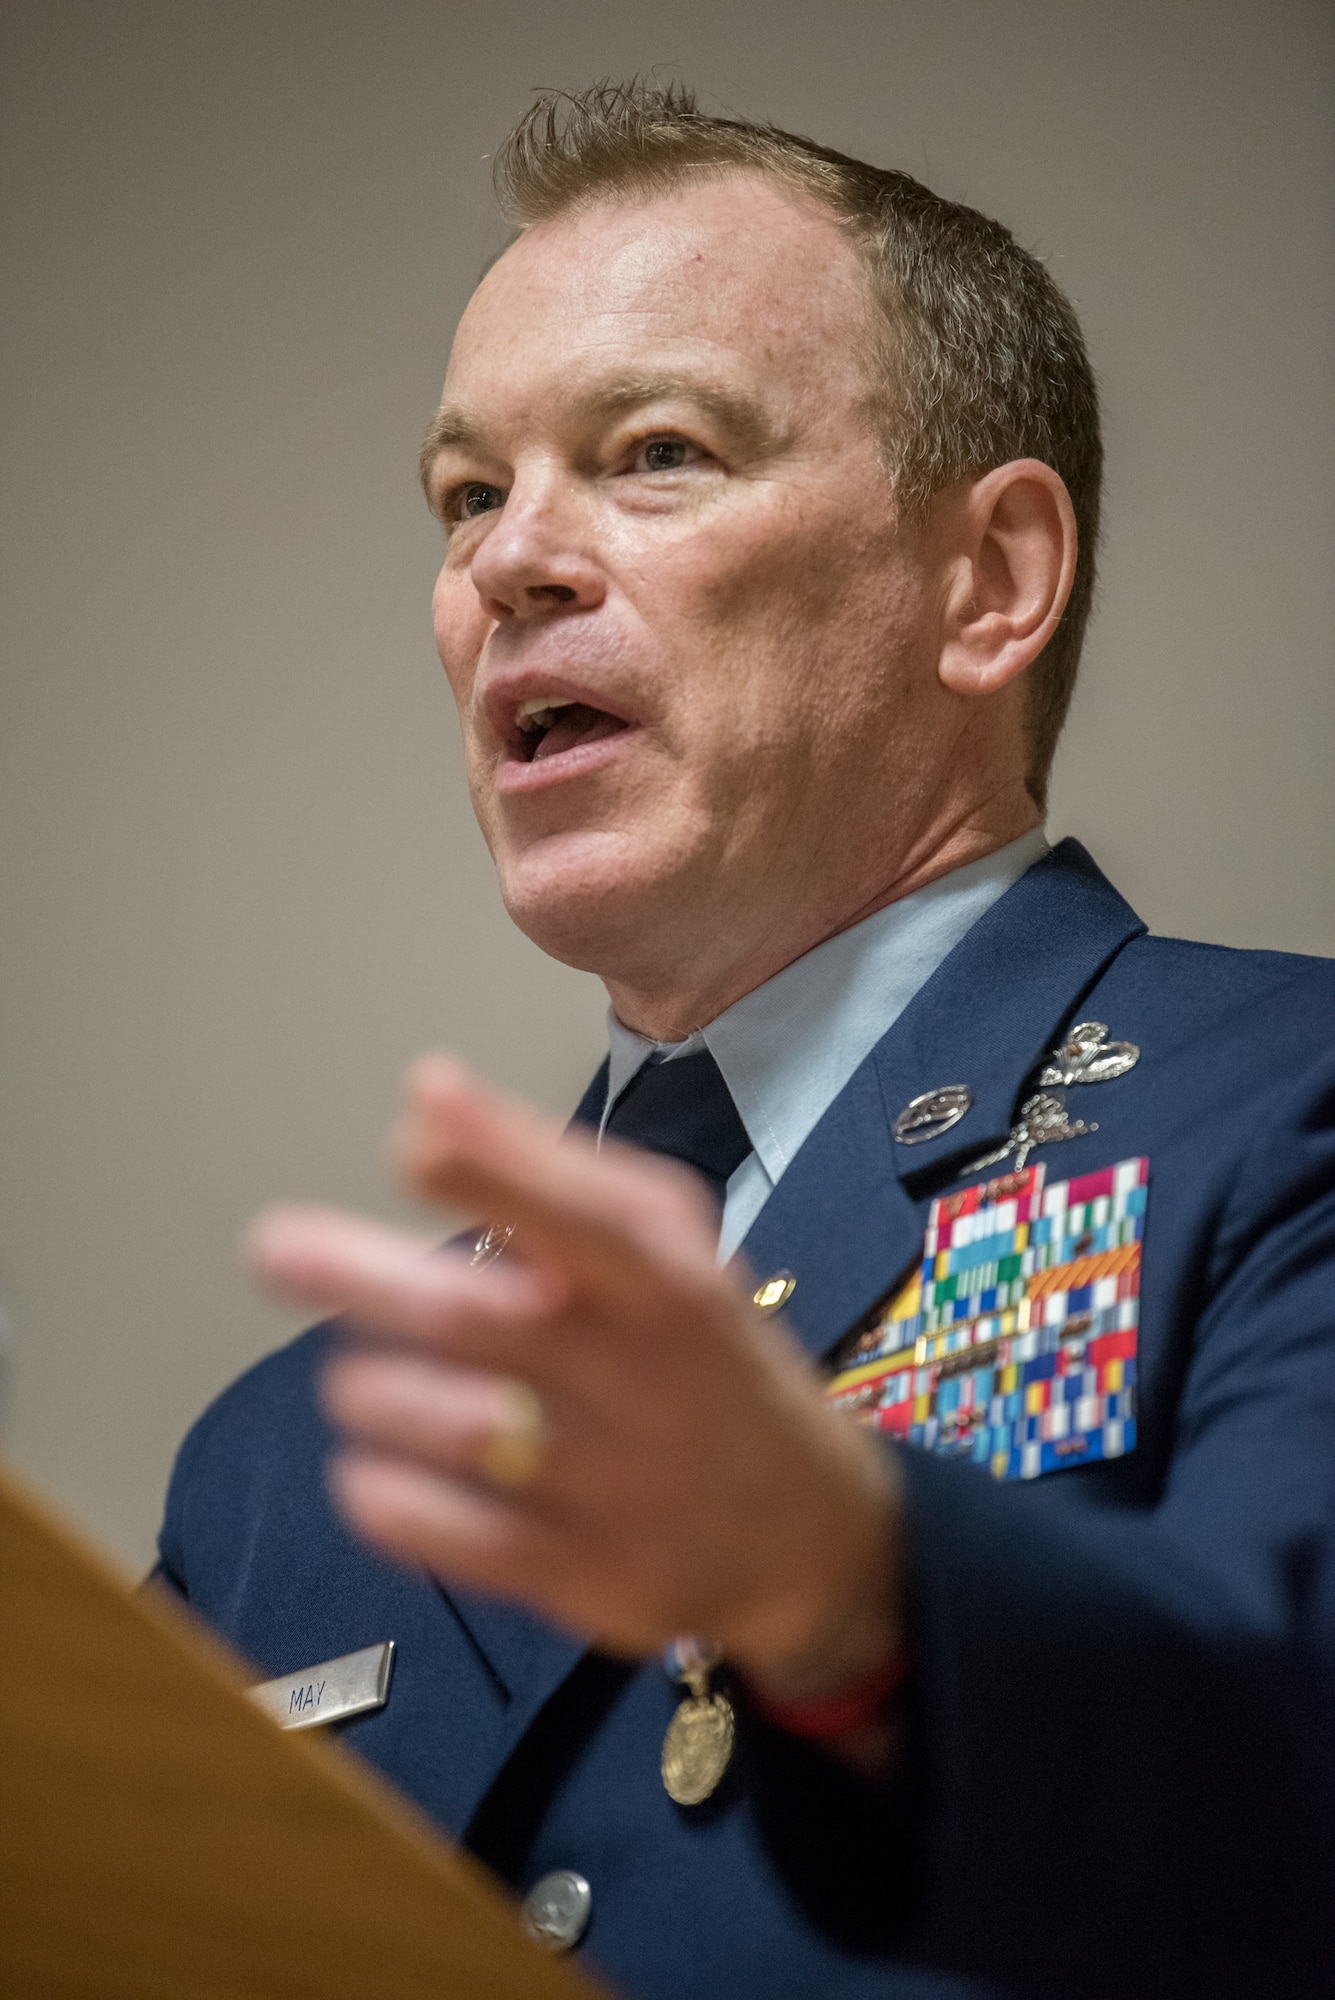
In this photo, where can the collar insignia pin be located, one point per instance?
(928, 1116)
(775, 1292)
(491, 1244)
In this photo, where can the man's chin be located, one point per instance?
(588, 900)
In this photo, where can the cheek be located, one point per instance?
(787, 643)
(460, 630)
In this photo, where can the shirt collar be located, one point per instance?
(787, 1049)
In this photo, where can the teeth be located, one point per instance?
(538, 713)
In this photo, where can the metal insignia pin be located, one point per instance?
(774, 1293)
(1085, 1057)
(490, 1244)
(1042, 1122)
(928, 1116)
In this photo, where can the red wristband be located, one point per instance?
(835, 1714)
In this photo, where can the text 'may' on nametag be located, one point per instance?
(331, 1692)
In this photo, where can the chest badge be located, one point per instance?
(928, 1116)
(1084, 1057)
(1041, 1122)
(1014, 1342)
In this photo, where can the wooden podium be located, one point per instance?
(162, 1839)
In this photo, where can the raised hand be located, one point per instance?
(599, 1424)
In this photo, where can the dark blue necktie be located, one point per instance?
(683, 1108)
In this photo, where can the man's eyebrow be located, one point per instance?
(738, 414)
(453, 426)
(449, 426)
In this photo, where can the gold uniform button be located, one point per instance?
(555, 1911)
(775, 1292)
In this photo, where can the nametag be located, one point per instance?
(331, 1692)
(1014, 1342)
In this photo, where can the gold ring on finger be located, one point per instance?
(512, 1454)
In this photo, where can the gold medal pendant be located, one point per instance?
(698, 1745)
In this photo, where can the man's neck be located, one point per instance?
(700, 988)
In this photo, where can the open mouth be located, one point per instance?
(551, 724)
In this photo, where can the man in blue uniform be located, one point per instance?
(770, 490)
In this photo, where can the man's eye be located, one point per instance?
(479, 499)
(663, 455)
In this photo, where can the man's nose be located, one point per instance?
(535, 560)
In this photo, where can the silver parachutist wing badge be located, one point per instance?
(1085, 1057)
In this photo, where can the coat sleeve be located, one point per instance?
(1119, 1780)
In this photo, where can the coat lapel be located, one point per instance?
(528, 1657)
(847, 1217)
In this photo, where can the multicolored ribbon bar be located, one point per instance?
(1014, 1343)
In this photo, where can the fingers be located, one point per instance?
(593, 1425)
(608, 1221)
(476, 1538)
(399, 1287)
(622, 1232)
(488, 1428)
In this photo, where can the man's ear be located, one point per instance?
(1012, 543)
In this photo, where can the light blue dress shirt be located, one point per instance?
(787, 1049)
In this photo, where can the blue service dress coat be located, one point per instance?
(1117, 1779)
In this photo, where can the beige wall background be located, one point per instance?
(241, 885)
